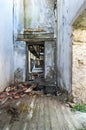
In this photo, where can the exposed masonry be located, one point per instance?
(79, 66)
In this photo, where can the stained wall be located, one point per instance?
(6, 43)
(30, 14)
(68, 11)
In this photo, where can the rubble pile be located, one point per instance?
(18, 90)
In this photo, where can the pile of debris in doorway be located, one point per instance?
(30, 88)
(19, 90)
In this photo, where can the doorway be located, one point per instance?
(35, 60)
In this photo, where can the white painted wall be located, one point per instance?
(40, 14)
(18, 17)
(67, 11)
(6, 43)
(19, 47)
(34, 14)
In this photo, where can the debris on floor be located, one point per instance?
(18, 90)
(39, 112)
(13, 112)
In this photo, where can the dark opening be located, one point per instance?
(35, 61)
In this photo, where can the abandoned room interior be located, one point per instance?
(42, 64)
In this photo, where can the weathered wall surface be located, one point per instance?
(34, 14)
(19, 47)
(30, 14)
(6, 43)
(18, 17)
(50, 73)
(39, 14)
(20, 61)
(79, 66)
(67, 11)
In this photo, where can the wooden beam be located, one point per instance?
(35, 43)
(34, 30)
(35, 40)
(41, 37)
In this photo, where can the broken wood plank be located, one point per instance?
(35, 40)
(34, 30)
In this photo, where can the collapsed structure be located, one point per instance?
(37, 43)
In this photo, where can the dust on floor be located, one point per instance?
(39, 112)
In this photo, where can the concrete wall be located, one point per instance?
(20, 61)
(18, 17)
(34, 14)
(50, 74)
(6, 43)
(19, 47)
(67, 12)
(79, 66)
(30, 14)
(39, 14)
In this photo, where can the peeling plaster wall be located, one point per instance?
(79, 66)
(30, 14)
(34, 14)
(20, 61)
(50, 74)
(19, 47)
(67, 12)
(18, 17)
(40, 13)
(6, 43)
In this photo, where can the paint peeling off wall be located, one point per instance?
(40, 14)
(79, 66)
(30, 14)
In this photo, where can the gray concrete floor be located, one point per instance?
(40, 113)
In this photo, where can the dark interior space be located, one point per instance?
(35, 61)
